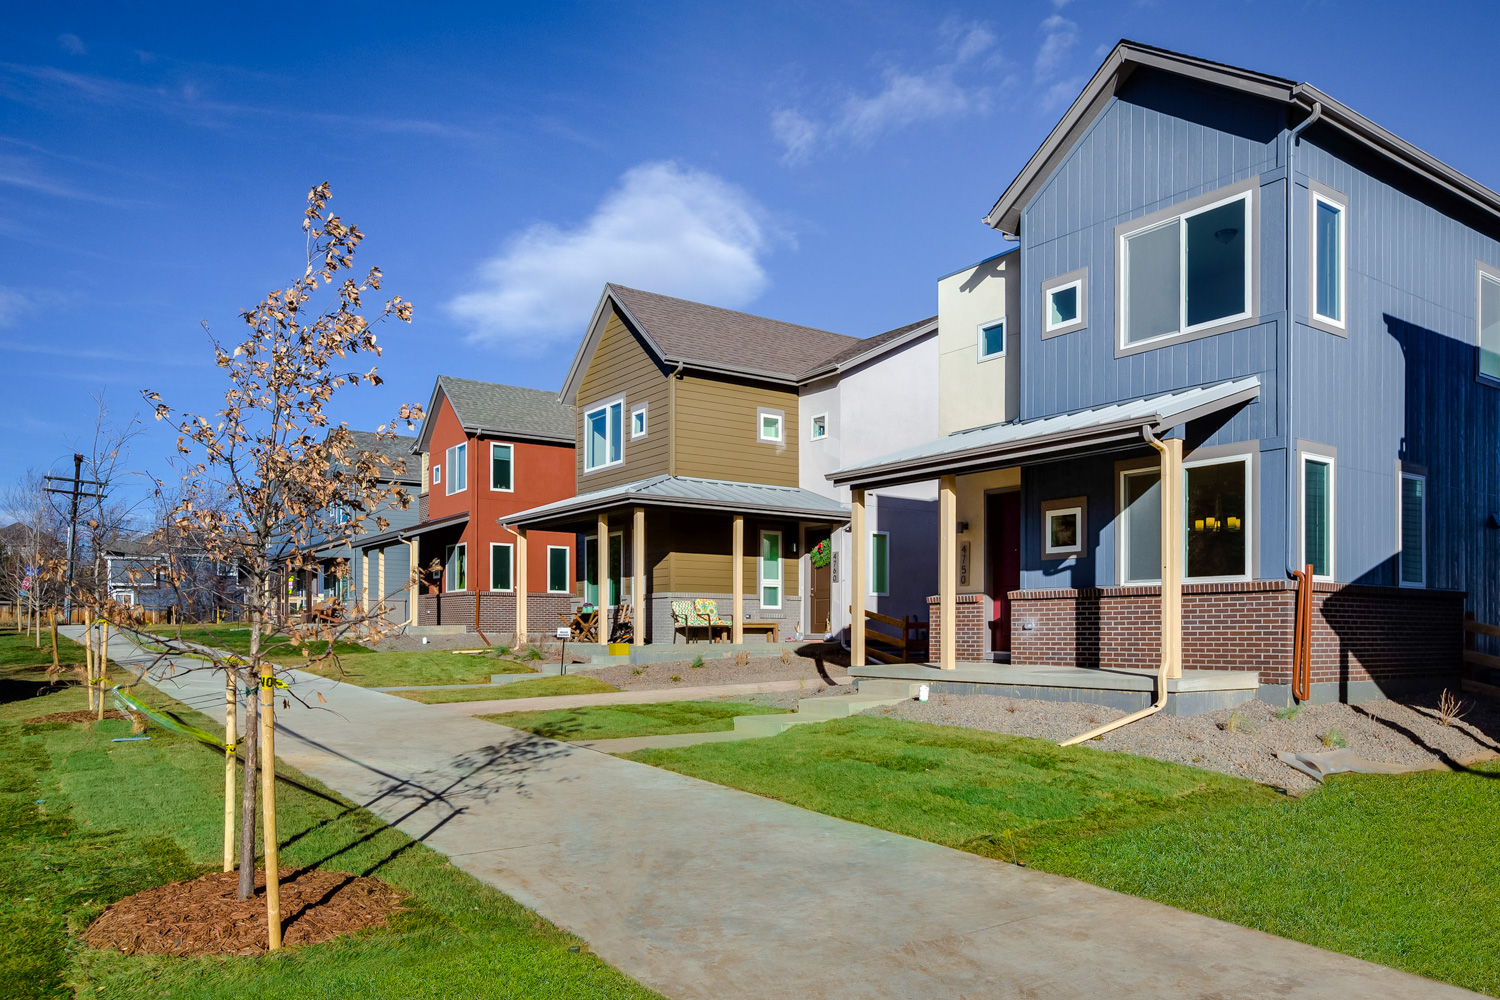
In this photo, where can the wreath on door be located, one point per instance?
(822, 553)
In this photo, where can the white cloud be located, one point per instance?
(72, 44)
(12, 305)
(1061, 94)
(665, 228)
(907, 97)
(1061, 34)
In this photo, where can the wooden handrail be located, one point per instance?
(1480, 628)
(885, 619)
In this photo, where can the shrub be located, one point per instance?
(1334, 738)
(697, 663)
(1289, 713)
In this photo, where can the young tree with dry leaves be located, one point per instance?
(268, 477)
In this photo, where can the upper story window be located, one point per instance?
(437, 474)
(1186, 272)
(769, 426)
(1065, 303)
(1329, 213)
(602, 428)
(502, 467)
(992, 340)
(638, 422)
(1488, 312)
(818, 427)
(458, 469)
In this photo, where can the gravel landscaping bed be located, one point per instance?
(400, 642)
(1395, 732)
(719, 671)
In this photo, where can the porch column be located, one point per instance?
(737, 576)
(857, 582)
(413, 582)
(948, 571)
(380, 581)
(638, 580)
(364, 580)
(1171, 556)
(602, 574)
(520, 586)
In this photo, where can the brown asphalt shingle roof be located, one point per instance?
(508, 409)
(868, 344)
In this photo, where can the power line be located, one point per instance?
(75, 492)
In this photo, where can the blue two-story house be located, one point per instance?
(1242, 317)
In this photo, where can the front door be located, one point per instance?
(1002, 542)
(820, 585)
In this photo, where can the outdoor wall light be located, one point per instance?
(963, 526)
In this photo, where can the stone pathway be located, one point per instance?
(702, 891)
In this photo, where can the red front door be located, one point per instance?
(1002, 560)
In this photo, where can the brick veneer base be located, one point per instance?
(1361, 634)
(497, 612)
(970, 623)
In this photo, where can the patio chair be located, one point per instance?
(684, 618)
(707, 610)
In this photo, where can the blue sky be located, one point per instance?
(820, 163)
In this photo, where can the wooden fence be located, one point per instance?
(1473, 658)
(904, 642)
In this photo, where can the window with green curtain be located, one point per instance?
(455, 568)
(770, 569)
(557, 569)
(880, 563)
(1413, 530)
(1329, 265)
(1317, 516)
(502, 569)
(1141, 496)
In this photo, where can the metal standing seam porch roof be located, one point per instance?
(999, 445)
(685, 492)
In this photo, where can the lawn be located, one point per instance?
(236, 639)
(87, 821)
(1398, 870)
(437, 666)
(540, 687)
(609, 722)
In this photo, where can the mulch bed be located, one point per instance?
(82, 715)
(203, 916)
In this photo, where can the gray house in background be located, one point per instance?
(1311, 305)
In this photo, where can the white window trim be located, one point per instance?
(447, 563)
(1249, 524)
(1125, 532)
(760, 571)
(1343, 207)
(761, 413)
(1076, 549)
(1183, 329)
(645, 418)
(870, 564)
(567, 552)
(1048, 325)
(457, 484)
(607, 464)
(510, 557)
(1333, 507)
(1401, 534)
(1482, 272)
(1004, 338)
(437, 474)
(812, 427)
(512, 449)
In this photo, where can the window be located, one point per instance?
(1489, 321)
(558, 579)
(502, 566)
(1064, 303)
(818, 430)
(502, 467)
(601, 428)
(458, 469)
(1317, 515)
(770, 569)
(1218, 542)
(437, 474)
(590, 562)
(1413, 530)
(638, 422)
(1188, 273)
(992, 340)
(768, 427)
(1328, 260)
(1062, 532)
(1140, 529)
(455, 568)
(880, 563)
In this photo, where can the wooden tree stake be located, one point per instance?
(88, 662)
(103, 669)
(231, 733)
(268, 805)
(56, 665)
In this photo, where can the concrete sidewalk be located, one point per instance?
(646, 696)
(704, 891)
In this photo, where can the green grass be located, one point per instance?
(236, 639)
(417, 668)
(18, 651)
(608, 722)
(1399, 870)
(86, 822)
(541, 687)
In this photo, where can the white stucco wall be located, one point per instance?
(974, 392)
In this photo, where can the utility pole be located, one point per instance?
(74, 492)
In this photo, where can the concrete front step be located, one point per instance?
(810, 710)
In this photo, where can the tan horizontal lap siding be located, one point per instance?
(717, 432)
(621, 366)
(701, 557)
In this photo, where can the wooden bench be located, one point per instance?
(772, 629)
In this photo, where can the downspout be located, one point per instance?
(1161, 673)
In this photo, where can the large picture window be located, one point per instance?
(770, 569)
(1217, 519)
(1140, 528)
(456, 568)
(1328, 260)
(602, 427)
(1489, 322)
(558, 579)
(1413, 530)
(502, 467)
(1188, 273)
(458, 469)
(1317, 515)
(502, 566)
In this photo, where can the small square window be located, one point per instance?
(1062, 306)
(769, 427)
(638, 422)
(819, 429)
(992, 340)
(1063, 531)
(1065, 303)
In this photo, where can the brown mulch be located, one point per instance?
(203, 916)
(82, 715)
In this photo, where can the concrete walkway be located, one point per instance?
(648, 696)
(704, 891)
